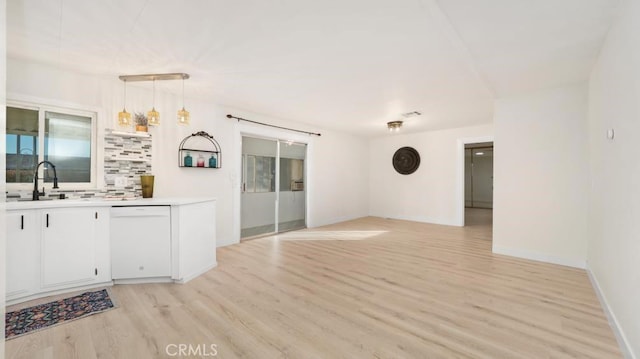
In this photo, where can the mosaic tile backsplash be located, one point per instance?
(124, 156)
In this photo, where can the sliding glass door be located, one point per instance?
(291, 195)
(273, 186)
(258, 186)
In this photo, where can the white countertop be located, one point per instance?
(100, 202)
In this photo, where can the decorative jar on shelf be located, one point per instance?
(200, 160)
(213, 161)
(188, 160)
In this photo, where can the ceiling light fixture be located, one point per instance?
(394, 126)
(183, 115)
(479, 153)
(124, 117)
(153, 115)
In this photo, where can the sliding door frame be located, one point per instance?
(250, 130)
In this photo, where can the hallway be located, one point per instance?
(479, 221)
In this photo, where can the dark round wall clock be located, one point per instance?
(406, 160)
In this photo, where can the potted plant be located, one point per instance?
(141, 122)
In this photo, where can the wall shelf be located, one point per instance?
(196, 146)
(131, 134)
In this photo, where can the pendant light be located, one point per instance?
(124, 117)
(153, 115)
(183, 115)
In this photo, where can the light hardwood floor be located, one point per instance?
(368, 288)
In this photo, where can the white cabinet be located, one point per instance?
(194, 239)
(141, 242)
(57, 248)
(23, 249)
(69, 246)
(162, 243)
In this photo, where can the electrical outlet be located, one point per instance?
(121, 182)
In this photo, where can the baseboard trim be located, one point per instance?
(311, 223)
(421, 219)
(623, 343)
(59, 291)
(540, 257)
(127, 281)
(197, 273)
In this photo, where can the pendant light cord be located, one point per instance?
(154, 93)
(125, 95)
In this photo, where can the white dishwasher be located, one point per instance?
(140, 242)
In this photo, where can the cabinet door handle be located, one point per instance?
(22, 222)
(47, 220)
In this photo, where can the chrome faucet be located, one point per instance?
(36, 193)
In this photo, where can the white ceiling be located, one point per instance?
(349, 65)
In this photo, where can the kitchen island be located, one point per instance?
(57, 246)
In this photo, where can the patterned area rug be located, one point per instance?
(41, 316)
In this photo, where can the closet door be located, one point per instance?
(292, 186)
(258, 198)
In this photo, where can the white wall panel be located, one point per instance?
(541, 176)
(614, 206)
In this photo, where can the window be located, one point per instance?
(64, 137)
(260, 173)
(22, 144)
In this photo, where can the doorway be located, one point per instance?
(478, 184)
(273, 187)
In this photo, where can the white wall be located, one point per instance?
(614, 217)
(541, 176)
(333, 152)
(3, 127)
(338, 183)
(435, 192)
